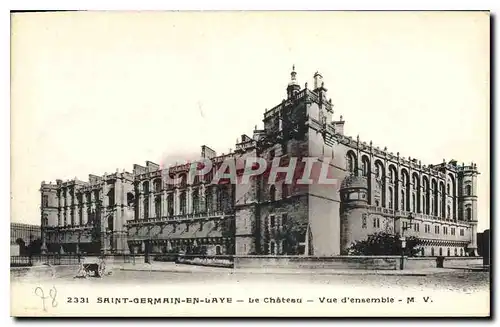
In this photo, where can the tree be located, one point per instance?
(35, 247)
(292, 233)
(22, 246)
(384, 244)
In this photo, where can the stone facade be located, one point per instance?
(375, 191)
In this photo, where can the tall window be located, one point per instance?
(182, 203)
(434, 199)
(351, 163)
(45, 201)
(366, 166)
(448, 211)
(272, 247)
(468, 190)
(468, 213)
(209, 201)
(391, 197)
(157, 185)
(272, 193)
(170, 204)
(272, 221)
(183, 180)
(146, 207)
(111, 197)
(284, 191)
(158, 207)
(196, 201)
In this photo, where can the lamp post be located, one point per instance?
(403, 239)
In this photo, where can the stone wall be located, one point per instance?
(337, 262)
(456, 262)
(449, 262)
(351, 262)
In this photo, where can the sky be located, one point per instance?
(95, 92)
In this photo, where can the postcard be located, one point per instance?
(250, 164)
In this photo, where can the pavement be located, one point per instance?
(183, 268)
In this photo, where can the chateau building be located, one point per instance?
(140, 211)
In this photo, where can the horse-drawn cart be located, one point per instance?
(91, 267)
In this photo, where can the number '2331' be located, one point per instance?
(77, 300)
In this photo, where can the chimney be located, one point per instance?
(318, 81)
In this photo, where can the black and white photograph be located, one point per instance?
(250, 163)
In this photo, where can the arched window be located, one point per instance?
(272, 193)
(366, 166)
(468, 213)
(145, 187)
(170, 204)
(146, 207)
(456, 252)
(432, 252)
(434, 198)
(157, 185)
(377, 204)
(468, 190)
(196, 201)
(448, 189)
(448, 211)
(448, 252)
(183, 180)
(158, 207)
(440, 252)
(402, 206)
(391, 198)
(461, 252)
(351, 163)
(209, 199)
(414, 202)
(443, 200)
(425, 199)
(130, 199)
(182, 202)
(218, 250)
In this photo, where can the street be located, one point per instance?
(448, 279)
